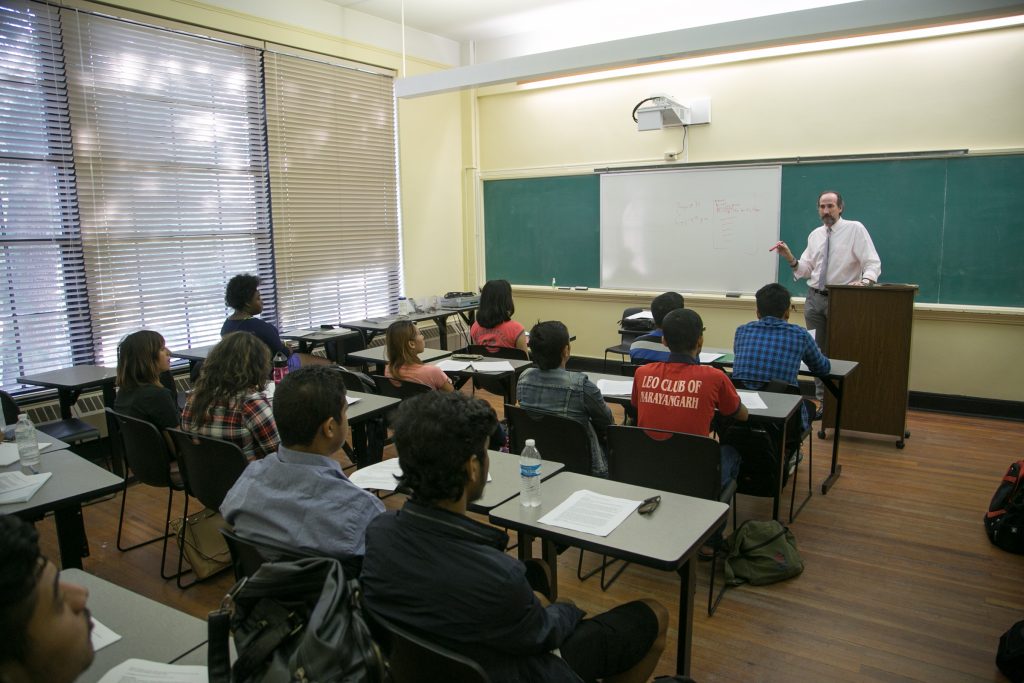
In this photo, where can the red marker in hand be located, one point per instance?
(777, 245)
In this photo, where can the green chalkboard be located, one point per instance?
(954, 226)
(542, 228)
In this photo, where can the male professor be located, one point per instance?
(839, 252)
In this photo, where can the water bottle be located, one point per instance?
(529, 475)
(280, 367)
(28, 444)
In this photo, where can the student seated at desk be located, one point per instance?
(551, 388)
(299, 497)
(648, 348)
(142, 360)
(228, 401)
(243, 295)
(44, 621)
(405, 343)
(771, 347)
(431, 569)
(681, 395)
(494, 325)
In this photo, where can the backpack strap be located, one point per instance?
(280, 624)
(218, 658)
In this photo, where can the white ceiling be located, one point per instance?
(507, 28)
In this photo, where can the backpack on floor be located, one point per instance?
(1004, 521)
(760, 553)
(1010, 656)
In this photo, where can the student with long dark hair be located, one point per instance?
(494, 325)
(141, 358)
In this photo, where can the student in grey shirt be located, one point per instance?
(298, 497)
(552, 389)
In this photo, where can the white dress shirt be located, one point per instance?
(852, 256)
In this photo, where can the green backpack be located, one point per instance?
(760, 553)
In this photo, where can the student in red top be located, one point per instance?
(494, 325)
(680, 394)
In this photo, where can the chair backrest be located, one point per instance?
(397, 388)
(558, 438)
(209, 467)
(497, 352)
(628, 336)
(686, 464)
(356, 381)
(144, 449)
(628, 369)
(10, 408)
(247, 556)
(412, 658)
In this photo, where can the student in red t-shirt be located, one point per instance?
(680, 394)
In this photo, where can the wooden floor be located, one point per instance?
(901, 583)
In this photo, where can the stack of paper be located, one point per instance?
(139, 670)
(591, 513)
(381, 476)
(449, 365)
(615, 387)
(709, 356)
(752, 400)
(16, 487)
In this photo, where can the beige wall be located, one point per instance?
(942, 93)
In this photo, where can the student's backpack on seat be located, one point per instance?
(759, 458)
(1004, 521)
(294, 621)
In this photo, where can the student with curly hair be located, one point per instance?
(142, 357)
(494, 325)
(404, 343)
(431, 569)
(228, 401)
(44, 621)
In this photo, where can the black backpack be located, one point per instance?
(1010, 656)
(1004, 521)
(759, 453)
(294, 621)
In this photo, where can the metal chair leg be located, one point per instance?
(120, 526)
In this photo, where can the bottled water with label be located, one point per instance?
(28, 445)
(529, 475)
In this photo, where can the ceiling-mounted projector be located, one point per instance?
(663, 112)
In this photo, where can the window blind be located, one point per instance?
(169, 144)
(334, 190)
(44, 311)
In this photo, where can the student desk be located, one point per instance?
(833, 381)
(378, 358)
(70, 382)
(368, 407)
(309, 339)
(194, 355)
(74, 480)
(667, 539)
(507, 379)
(148, 629)
(371, 327)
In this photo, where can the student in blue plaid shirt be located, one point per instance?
(771, 347)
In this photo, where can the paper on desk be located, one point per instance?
(381, 476)
(752, 400)
(709, 356)
(349, 400)
(16, 487)
(492, 366)
(642, 315)
(591, 513)
(9, 454)
(102, 636)
(449, 365)
(811, 332)
(143, 671)
(615, 387)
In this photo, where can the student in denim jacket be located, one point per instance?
(552, 389)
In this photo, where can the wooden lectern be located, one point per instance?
(872, 325)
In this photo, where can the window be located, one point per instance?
(334, 186)
(169, 148)
(44, 311)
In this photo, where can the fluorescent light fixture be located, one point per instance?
(780, 51)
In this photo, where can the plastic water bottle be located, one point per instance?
(280, 367)
(529, 475)
(28, 444)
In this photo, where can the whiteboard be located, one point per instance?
(694, 230)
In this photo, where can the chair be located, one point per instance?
(209, 468)
(686, 464)
(496, 352)
(558, 438)
(626, 337)
(145, 451)
(248, 556)
(412, 658)
(71, 430)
